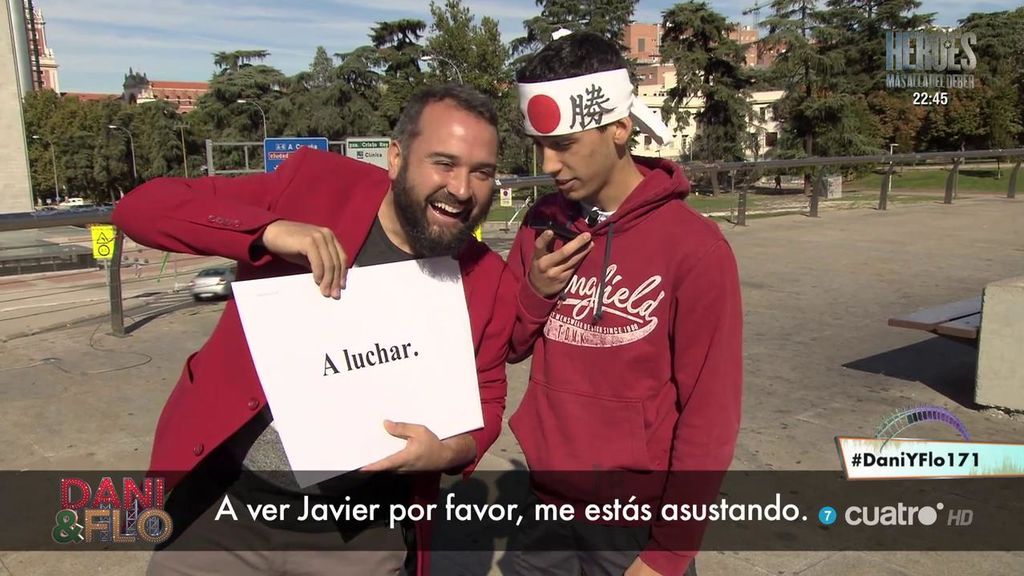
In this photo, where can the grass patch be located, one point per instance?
(501, 213)
(971, 180)
(862, 193)
(719, 203)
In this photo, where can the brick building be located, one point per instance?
(656, 77)
(138, 89)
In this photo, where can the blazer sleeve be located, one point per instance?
(211, 216)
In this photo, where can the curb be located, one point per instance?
(85, 320)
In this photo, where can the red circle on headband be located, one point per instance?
(543, 113)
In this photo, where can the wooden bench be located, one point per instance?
(959, 321)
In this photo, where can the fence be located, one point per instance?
(211, 146)
(25, 221)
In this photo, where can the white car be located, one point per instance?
(212, 283)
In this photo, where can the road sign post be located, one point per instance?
(277, 150)
(370, 150)
(102, 241)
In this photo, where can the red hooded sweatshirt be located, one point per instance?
(637, 365)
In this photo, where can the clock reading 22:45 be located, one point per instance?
(931, 98)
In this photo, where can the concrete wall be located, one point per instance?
(1001, 345)
(15, 187)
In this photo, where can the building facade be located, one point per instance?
(643, 43)
(15, 185)
(139, 89)
(43, 63)
(655, 78)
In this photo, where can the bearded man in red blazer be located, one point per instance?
(323, 212)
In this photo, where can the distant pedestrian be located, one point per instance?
(778, 182)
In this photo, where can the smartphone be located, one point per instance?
(561, 230)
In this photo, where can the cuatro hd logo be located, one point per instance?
(123, 513)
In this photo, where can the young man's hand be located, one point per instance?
(312, 246)
(551, 269)
(638, 568)
(423, 451)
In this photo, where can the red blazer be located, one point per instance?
(219, 391)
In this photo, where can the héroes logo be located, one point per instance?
(106, 516)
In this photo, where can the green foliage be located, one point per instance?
(608, 18)
(1000, 52)
(830, 62)
(821, 114)
(234, 61)
(480, 59)
(398, 54)
(709, 68)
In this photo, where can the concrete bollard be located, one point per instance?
(1001, 341)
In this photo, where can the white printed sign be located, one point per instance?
(371, 150)
(396, 346)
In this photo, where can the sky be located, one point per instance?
(96, 41)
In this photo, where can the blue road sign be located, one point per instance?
(277, 150)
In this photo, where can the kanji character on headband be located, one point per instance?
(577, 103)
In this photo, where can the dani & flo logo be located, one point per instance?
(103, 515)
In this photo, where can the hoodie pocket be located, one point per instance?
(567, 430)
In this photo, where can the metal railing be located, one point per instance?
(80, 217)
(893, 160)
(86, 216)
(211, 166)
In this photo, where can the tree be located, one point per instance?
(357, 69)
(334, 102)
(709, 69)
(398, 54)
(92, 160)
(1000, 71)
(608, 18)
(157, 143)
(234, 61)
(482, 60)
(857, 38)
(820, 117)
(219, 116)
(956, 126)
(899, 120)
(321, 70)
(39, 108)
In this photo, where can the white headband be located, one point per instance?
(571, 105)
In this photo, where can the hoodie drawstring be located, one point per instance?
(599, 309)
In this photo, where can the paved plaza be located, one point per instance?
(820, 360)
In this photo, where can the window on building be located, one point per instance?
(647, 141)
(764, 113)
(770, 139)
(641, 45)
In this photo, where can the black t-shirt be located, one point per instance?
(379, 249)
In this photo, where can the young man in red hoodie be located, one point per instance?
(634, 326)
(323, 212)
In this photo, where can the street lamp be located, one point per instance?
(184, 156)
(244, 101)
(53, 157)
(131, 143)
(432, 57)
(891, 146)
